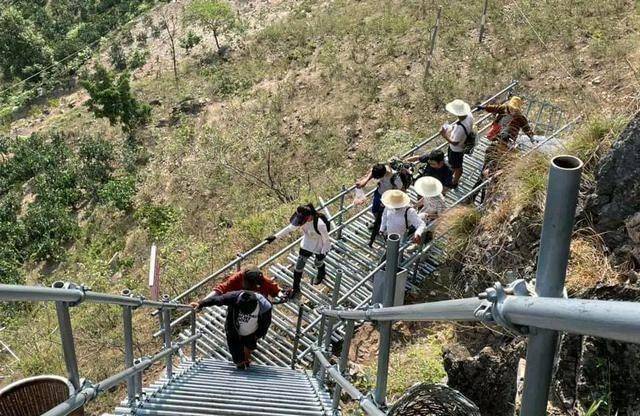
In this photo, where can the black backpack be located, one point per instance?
(410, 228)
(324, 219)
(405, 177)
(470, 141)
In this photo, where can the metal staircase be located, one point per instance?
(356, 261)
(214, 387)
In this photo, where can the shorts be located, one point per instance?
(455, 159)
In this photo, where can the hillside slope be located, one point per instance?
(307, 97)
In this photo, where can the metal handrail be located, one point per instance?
(66, 295)
(91, 391)
(62, 292)
(365, 402)
(610, 319)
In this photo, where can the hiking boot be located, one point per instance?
(322, 272)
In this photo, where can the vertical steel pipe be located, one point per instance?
(127, 328)
(559, 214)
(68, 345)
(331, 321)
(166, 326)
(137, 379)
(380, 392)
(341, 213)
(342, 364)
(316, 362)
(193, 332)
(296, 339)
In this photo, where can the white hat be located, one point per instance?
(458, 108)
(395, 199)
(428, 186)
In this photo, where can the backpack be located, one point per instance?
(324, 219)
(470, 141)
(410, 228)
(405, 177)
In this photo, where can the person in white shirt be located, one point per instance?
(399, 217)
(387, 179)
(432, 204)
(315, 242)
(456, 135)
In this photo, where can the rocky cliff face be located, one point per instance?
(615, 203)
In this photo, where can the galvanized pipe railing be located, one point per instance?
(67, 295)
(90, 392)
(74, 294)
(365, 402)
(615, 320)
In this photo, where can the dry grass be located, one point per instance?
(588, 265)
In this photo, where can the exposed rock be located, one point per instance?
(591, 369)
(617, 194)
(487, 378)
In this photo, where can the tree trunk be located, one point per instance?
(215, 36)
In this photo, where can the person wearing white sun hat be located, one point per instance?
(432, 202)
(399, 217)
(456, 135)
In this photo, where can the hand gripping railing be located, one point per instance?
(237, 262)
(67, 295)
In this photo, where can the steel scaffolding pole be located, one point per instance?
(382, 373)
(557, 227)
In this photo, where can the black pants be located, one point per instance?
(376, 226)
(237, 344)
(303, 257)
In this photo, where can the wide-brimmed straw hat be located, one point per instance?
(458, 108)
(428, 186)
(395, 199)
(515, 103)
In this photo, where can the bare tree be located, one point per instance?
(169, 24)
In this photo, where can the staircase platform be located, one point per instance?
(213, 387)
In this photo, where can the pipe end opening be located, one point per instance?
(393, 237)
(566, 162)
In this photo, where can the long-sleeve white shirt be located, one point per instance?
(311, 241)
(393, 221)
(433, 206)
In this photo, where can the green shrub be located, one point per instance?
(48, 228)
(157, 219)
(111, 98)
(119, 193)
(96, 159)
(189, 41)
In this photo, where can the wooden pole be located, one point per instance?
(434, 36)
(483, 20)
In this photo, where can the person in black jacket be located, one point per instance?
(248, 320)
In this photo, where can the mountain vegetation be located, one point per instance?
(200, 124)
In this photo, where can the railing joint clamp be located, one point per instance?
(491, 311)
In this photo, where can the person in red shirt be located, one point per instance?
(250, 278)
(504, 131)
